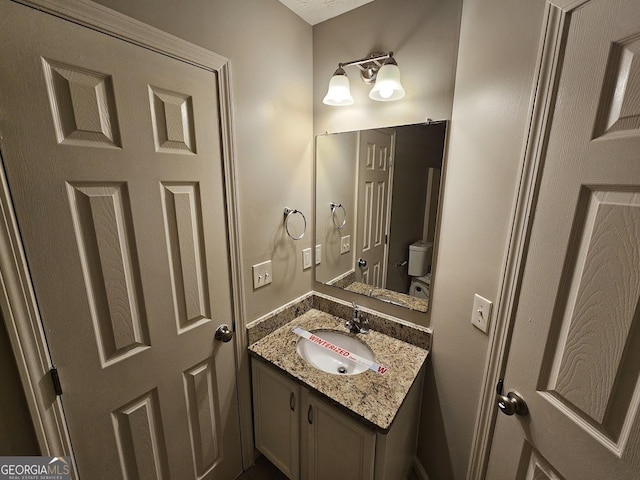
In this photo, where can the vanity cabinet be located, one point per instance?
(276, 405)
(336, 445)
(307, 438)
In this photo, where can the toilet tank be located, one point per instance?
(420, 258)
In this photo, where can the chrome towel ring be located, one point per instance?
(287, 214)
(334, 206)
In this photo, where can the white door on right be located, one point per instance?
(575, 350)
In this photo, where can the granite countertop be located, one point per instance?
(384, 295)
(373, 398)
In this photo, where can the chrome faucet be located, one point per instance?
(357, 324)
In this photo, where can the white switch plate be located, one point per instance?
(262, 274)
(481, 313)
(306, 258)
(318, 254)
(345, 244)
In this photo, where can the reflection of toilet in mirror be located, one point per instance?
(420, 268)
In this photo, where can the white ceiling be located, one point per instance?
(316, 11)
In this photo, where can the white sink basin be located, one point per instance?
(332, 362)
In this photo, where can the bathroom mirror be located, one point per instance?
(377, 194)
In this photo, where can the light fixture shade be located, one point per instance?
(388, 86)
(339, 93)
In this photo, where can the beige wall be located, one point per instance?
(270, 50)
(496, 61)
(336, 167)
(423, 34)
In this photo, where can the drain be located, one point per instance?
(342, 369)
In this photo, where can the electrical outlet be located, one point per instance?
(481, 313)
(318, 254)
(345, 244)
(262, 274)
(306, 258)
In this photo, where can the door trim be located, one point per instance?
(546, 76)
(29, 345)
(17, 298)
(387, 228)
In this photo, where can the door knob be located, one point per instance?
(511, 403)
(362, 263)
(223, 333)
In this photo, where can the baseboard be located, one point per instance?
(419, 470)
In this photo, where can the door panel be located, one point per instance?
(603, 282)
(83, 105)
(113, 158)
(536, 467)
(201, 394)
(183, 230)
(111, 271)
(140, 438)
(575, 355)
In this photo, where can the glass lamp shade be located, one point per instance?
(388, 86)
(339, 93)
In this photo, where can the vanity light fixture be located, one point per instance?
(339, 93)
(380, 68)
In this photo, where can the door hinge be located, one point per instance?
(55, 378)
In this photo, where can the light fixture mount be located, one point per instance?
(369, 69)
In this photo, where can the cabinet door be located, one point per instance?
(337, 446)
(276, 403)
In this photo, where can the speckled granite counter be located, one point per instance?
(374, 398)
(382, 294)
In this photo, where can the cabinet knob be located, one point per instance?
(292, 402)
(310, 415)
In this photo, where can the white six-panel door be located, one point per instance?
(113, 157)
(374, 174)
(575, 353)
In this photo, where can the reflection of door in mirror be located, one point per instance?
(374, 179)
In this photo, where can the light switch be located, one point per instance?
(262, 274)
(345, 244)
(481, 313)
(306, 258)
(318, 254)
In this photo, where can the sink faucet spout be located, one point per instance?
(357, 324)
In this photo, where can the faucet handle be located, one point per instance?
(364, 324)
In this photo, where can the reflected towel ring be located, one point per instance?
(333, 215)
(287, 213)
